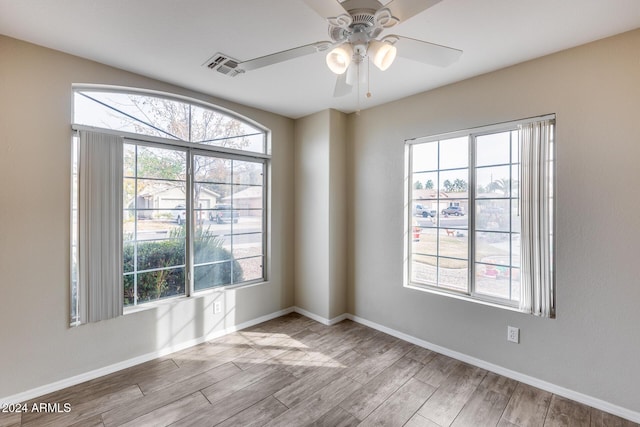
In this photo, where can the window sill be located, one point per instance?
(463, 297)
(154, 304)
(197, 294)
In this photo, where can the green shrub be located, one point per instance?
(168, 253)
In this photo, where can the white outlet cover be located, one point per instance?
(513, 334)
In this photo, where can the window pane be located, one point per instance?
(493, 149)
(160, 284)
(209, 247)
(246, 200)
(129, 257)
(425, 241)
(153, 224)
(515, 250)
(424, 269)
(159, 254)
(515, 147)
(255, 142)
(493, 181)
(515, 284)
(455, 183)
(129, 289)
(247, 173)
(214, 128)
(493, 280)
(425, 213)
(90, 112)
(515, 180)
(167, 118)
(129, 160)
(493, 248)
(247, 245)
(453, 274)
(453, 214)
(210, 169)
(251, 269)
(515, 216)
(128, 225)
(453, 243)
(454, 153)
(250, 223)
(129, 193)
(425, 157)
(213, 275)
(493, 215)
(154, 162)
(425, 185)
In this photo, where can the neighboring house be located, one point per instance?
(170, 197)
(439, 200)
(248, 202)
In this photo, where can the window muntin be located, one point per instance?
(479, 256)
(175, 244)
(157, 116)
(440, 243)
(497, 221)
(154, 241)
(235, 224)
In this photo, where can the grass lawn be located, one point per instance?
(454, 246)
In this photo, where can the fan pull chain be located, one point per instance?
(368, 77)
(358, 89)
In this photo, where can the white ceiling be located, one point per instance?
(171, 39)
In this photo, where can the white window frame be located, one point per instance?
(472, 134)
(191, 149)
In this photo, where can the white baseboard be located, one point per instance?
(320, 319)
(526, 379)
(96, 373)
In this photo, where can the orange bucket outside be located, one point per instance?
(416, 233)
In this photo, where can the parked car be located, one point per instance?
(421, 210)
(179, 214)
(453, 210)
(224, 213)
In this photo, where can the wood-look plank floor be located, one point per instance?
(292, 371)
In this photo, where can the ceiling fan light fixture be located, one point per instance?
(338, 59)
(382, 53)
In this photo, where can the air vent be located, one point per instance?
(224, 64)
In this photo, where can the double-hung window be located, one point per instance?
(480, 214)
(194, 190)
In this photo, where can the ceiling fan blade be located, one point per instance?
(405, 9)
(284, 55)
(342, 88)
(425, 52)
(326, 8)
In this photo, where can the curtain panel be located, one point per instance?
(536, 207)
(100, 159)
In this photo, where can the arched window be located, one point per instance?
(193, 194)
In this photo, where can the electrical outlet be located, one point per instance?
(217, 307)
(513, 334)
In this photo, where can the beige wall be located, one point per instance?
(320, 223)
(593, 345)
(337, 214)
(37, 345)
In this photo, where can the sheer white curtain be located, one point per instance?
(100, 226)
(536, 199)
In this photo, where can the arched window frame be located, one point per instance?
(192, 150)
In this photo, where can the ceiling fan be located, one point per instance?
(354, 28)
